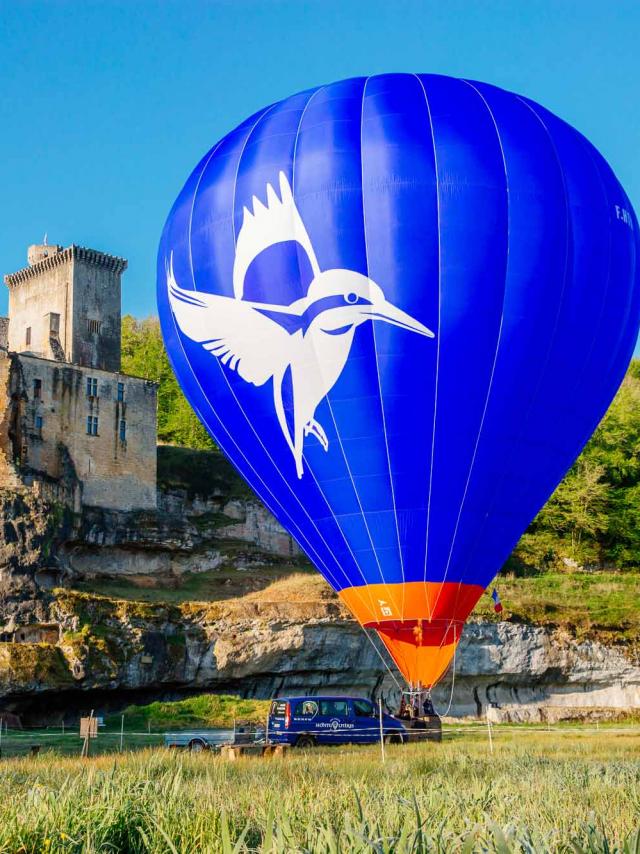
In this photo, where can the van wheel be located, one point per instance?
(196, 745)
(393, 738)
(306, 741)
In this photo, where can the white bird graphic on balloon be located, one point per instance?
(311, 337)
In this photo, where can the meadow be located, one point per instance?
(565, 790)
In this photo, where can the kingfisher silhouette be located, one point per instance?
(311, 337)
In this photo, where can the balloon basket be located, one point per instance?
(427, 728)
(418, 715)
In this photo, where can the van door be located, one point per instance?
(335, 723)
(367, 726)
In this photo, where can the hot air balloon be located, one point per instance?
(401, 305)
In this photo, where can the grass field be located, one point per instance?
(537, 792)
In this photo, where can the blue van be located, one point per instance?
(307, 721)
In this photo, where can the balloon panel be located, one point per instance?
(401, 305)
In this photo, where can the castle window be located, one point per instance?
(123, 430)
(38, 421)
(92, 387)
(54, 324)
(37, 389)
(28, 336)
(92, 425)
(94, 326)
(120, 392)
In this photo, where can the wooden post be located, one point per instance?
(381, 729)
(88, 730)
(489, 731)
(121, 733)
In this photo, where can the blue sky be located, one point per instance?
(106, 107)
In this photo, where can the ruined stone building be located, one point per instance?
(72, 425)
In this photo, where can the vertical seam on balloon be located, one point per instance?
(554, 332)
(233, 393)
(375, 350)
(348, 545)
(439, 338)
(495, 359)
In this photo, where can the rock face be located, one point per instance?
(292, 638)
(530, 673)
(259, 649)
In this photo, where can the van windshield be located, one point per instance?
(334, 707)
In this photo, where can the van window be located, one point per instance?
(339, 708)
(363, 709)
(278, 709)
(306, 708)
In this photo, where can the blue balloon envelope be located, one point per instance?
(401, 305)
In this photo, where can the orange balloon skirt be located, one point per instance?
(420, 623)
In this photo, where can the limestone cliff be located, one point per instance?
(273, 626)
(292, 638)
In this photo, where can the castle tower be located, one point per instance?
(65, 306)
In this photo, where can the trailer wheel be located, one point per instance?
(305, 741)
(197, 745)
(393, 738)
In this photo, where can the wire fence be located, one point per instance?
(63, 741)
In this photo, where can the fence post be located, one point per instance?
(381, 729)
(489, 731)
(121, 733)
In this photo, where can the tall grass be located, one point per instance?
(534, 794)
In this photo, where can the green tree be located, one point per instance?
(594, 514)
(578, 509)
(144, 355)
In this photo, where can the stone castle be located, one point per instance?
(72, 426)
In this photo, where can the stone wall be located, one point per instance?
(32, 301)
(51, 405)
(4, 333)
(66, 307)
(96, 299)
(8, 476)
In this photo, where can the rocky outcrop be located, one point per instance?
(530, 673)
(184, 535)
(44, 544)
(30, 536)
(292, 636)
(278, 643)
